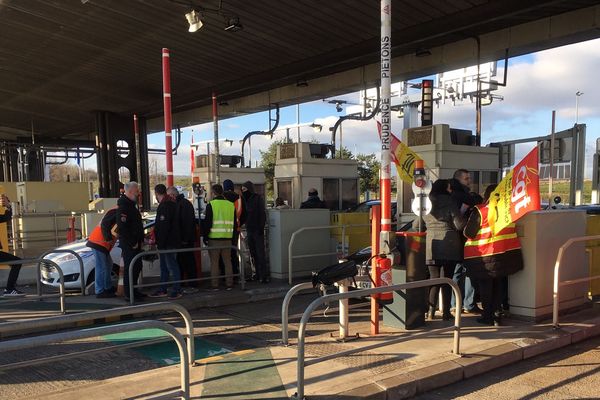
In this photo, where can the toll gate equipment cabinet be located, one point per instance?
(445, 150)
(230, 168)
(302, 166)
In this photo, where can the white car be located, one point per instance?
(70, 265)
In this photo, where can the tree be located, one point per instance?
(267, 162)
(368, 172)
(344, 153)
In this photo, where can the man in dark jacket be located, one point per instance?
(240, 215)
(465, 200)
(255, 229)
(313, 200)
(186, 220)
(131, 234)
(5, 256)
(167, 234)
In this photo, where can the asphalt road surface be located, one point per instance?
(572, 372)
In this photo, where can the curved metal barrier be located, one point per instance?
(60, 251)
(557, 284)
(35, 341)
(291, 257)
(285, 308)
(54, 322)
(158, 252)
(364, 292)
(38, 263)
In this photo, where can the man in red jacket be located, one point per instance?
(101, 241)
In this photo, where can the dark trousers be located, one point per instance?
(445, 270)
(13, 275)
(256, 244)
(235, 262)
(128, 254)
(490, 290)
(187, 264)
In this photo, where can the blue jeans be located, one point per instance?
(465, 285)
(169, 265)
(102, 271)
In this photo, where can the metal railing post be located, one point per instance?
(556, 284)
(35, 341)
(360, 293)
(285, 309)
(79, 259)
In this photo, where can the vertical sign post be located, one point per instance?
(216, 138)
(166, 71)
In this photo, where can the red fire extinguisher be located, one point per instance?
(71, 236)
(383, 277)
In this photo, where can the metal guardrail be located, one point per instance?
(291, 257)
(364, 292)
(66, 251)
(36, 341)
(17, 235)
(54, 322)
(132, 286)
(38, 263)
(285, 306)
(557, 284)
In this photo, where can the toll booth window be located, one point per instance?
(488, 178)
(349, 193)
(475, 186)
(331, 193)
(284, 190)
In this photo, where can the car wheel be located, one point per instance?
(91, 278)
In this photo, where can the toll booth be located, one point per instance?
(302, 166)
(445, 150)
(230, 168)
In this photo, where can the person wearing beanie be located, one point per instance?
(256, 216)
(313, 200)
(240, 216)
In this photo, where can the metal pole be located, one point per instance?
(343, 312)
(298, 118)
(166, 75)
(551, 180)
(285, 306)
(138, 157)
(375, 227)
(386, 81)
(216, 140)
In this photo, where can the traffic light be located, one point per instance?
(427, 102)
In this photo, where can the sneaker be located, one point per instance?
(229, 288)
(159, 293)
(105, 295)
(474, 310)
(13, 293)
(175, 295)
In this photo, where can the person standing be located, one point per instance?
(280, 204)
(167, 234)
(444, 243)
(101, 241)
(131, 234)
(240, 219)
(313, 200)
(186, 220)
(255, 230)
(218, 226)
(490, 258)
(5, 257)
(465, 200)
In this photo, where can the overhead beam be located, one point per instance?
(542, 34)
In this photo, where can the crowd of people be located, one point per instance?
(460, 245)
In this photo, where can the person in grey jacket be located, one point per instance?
(444, 243)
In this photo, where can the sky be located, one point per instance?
(537, 84)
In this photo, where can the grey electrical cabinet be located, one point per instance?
(282, 224)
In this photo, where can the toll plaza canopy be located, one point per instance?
(63, 60)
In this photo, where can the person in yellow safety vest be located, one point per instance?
(240, 215)
(101, 240)
(490, 258)
(5, 256)
(218, 226)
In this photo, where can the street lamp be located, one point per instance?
(577, 94)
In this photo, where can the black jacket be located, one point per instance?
(232, 197)
(461, 195)
(313, 202)
(5, 218)
(256, 212)
(186, 217)
(166, 227)
(129, 223)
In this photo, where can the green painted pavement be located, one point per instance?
(165, 353)
(248, 376)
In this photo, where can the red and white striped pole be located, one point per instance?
(138, 155)
(166, 72)
(215, 115)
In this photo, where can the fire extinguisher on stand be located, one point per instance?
(383, 277)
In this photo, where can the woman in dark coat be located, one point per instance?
(444, 243)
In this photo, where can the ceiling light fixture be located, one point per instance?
(422, 53)
(233, 24)
(193, 18)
